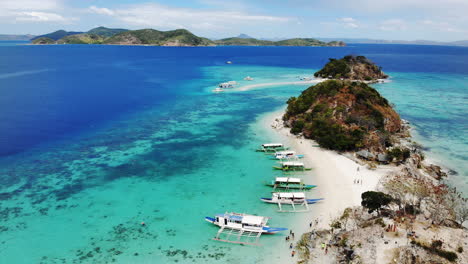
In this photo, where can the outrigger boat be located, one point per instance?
(292, 166)
(290, 198)
(238, 225)
(286, 154)
(289, 183)
(272, 147)
(217, 90)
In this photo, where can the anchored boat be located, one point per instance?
(272, 147)
(217, 90)
(286, 154)
(237, 226)
(289, 183)
(292, 166)
(297, 199)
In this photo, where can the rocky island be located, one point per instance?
(343, 116)
(178, 37)
(407, 213)
(352, 68)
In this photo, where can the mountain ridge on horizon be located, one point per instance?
(107, 32)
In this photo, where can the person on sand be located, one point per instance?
(292, 235)
(293, 253)
(326, 250)
(323, 246)
(291, 246)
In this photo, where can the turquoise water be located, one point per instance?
(125, 135)
(436, 105)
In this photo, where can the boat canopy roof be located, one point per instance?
(286, 179)
(271, 145)
(252, 220)
(291, 195)
(293, 164)
(244, 218)
(286, 152)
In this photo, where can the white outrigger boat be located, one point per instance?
(237, 226)
(217, 90)
(226, 85)
(289, 183)
(248, 78)
(286, 154)
(272, 147)
(291, 198)
(292, 166)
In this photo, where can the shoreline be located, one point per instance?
(333, 173)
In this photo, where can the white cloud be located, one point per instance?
(101, 11)
(441, 26)
(348, 22)
(347, 19)
(35, 16)
(14, 5)
(160, 16)
(393, 25)
(32, 11)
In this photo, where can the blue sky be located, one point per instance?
(443, 20)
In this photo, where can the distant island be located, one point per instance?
(352, 68)
(179, 37)
(8, 37)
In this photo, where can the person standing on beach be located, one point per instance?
(293, 253)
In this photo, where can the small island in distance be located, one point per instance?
(178, 37)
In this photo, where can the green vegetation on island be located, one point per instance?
(178, 37)
(352, 68)
(55, 35)
(288, 42)
(81, 39)
(106, 32)
(343, 116)
(44, 41)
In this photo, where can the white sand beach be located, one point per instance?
(265, 85)
(336, 176)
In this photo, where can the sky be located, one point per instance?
(440, 20)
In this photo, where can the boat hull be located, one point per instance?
(309, 201)
(265, 230)
(291, 169)
(292, 186)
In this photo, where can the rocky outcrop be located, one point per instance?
(435, 171)
(352, 68)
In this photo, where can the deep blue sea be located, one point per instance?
(96, 139)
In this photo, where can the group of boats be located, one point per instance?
(227, 85)
(289, 193)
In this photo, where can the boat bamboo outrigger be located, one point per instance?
(289, 183)
(286, 154)
(297, 199)
(272, 147)
(237, 226)
(292, 166)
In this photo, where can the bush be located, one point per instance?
(436, 249)
(379, 221)
(460, 249)
(373, 201)
(399, 155)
